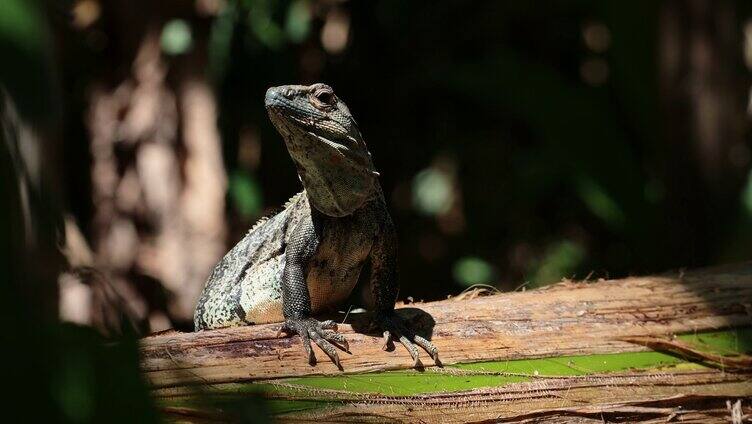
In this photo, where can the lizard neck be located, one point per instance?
(338, 181)
(338, 190)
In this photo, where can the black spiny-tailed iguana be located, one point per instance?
(308, 257)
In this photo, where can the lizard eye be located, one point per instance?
(324, 97)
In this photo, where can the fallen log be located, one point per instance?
(643, 348)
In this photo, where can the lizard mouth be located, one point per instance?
(289, 124)
(282, 115)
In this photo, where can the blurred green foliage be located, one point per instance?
(562, 259)
(432, 192)
(472, 270)
(176, 37)
(246, 194)
(27, 71)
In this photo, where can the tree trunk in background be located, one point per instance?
(703, 94)
(158, 178)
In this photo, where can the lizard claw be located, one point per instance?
(394, 327)
(324, 334)
(388, 343)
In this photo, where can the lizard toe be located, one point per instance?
(307, 348)
(328, 325)
(395, 328)
(327, 347)
(388, 343)
(333, 336)
(324, 334)
(432, 350)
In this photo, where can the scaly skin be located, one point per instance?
(309, 257)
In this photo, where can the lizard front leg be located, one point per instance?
(296, 301)
(384, 289)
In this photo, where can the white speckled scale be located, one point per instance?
(245, 286)
(261, 291)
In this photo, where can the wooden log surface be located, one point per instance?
(564, 319)
(610, 320)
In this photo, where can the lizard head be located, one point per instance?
(324, 141)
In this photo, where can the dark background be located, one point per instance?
(519, 143)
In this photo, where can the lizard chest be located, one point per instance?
(333, 271)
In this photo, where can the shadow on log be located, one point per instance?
(637, 349)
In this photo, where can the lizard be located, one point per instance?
(309, 257)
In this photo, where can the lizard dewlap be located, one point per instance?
(309, 257)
